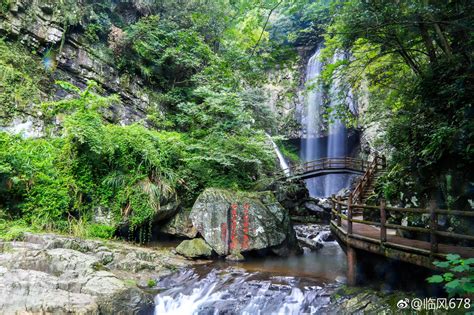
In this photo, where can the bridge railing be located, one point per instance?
(377, 163)
(338, 205)
(327, 164)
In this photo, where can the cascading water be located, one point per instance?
(314, 100)
(294, 285)
(313, 147)
(316, 146)
(283, 164)
(337, 135)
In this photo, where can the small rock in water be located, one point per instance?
(235, 257)
(194, 248)
(341, 279)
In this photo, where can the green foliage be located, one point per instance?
(21, 76)
(164, 54)
(416, 73)
(14, 230)
(227, 161)
(92, 32)
(289, 151)
(459, 278)
(58, 182)
(100, 231)
(5, 6)
(151, 283)
(203, 64)
(209, 110)
(29, 173)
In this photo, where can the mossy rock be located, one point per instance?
(194, 248)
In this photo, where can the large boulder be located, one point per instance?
(166, 210)
(194, 248)
(290, 194)
(233, 222)
(179, 225)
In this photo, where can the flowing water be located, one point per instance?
(337, 134)
(314, 145)
(283, 164)
(267, 285)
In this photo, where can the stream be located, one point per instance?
(260, 285)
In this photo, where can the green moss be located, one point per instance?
(130, 282)
(21, 76)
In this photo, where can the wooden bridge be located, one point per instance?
(326, 166)
(357, 234)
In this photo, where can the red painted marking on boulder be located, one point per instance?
(245, 243)
(233, 228)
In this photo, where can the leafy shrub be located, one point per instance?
(459, 278)
(100, 231)
(164, 53)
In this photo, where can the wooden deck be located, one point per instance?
(379, 236)
(409, 250)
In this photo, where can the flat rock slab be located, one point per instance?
(47, 273)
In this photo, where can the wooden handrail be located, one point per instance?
(367, 177)
(432, 230)
(327, 163)
(413, 210)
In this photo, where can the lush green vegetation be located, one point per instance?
(21, 77)
(415, 62)
(202, 64)
(58, 182)
(459, 278)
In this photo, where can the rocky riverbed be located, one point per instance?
(54, 274)
(46, 273)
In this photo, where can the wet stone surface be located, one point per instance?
(313, 236)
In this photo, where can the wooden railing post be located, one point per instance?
(333, 207)
(339, 212)
(383, 221)
(349, 215)
(433, 227)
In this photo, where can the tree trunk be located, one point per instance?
(427, 40)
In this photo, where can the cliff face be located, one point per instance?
(37, 26)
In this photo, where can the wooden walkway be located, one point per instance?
(380, 237)
(371, 234)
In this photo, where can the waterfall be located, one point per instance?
(314, 145)
(283, 164)
(314, 100)
(337, 134)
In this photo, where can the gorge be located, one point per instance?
(235, 157)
